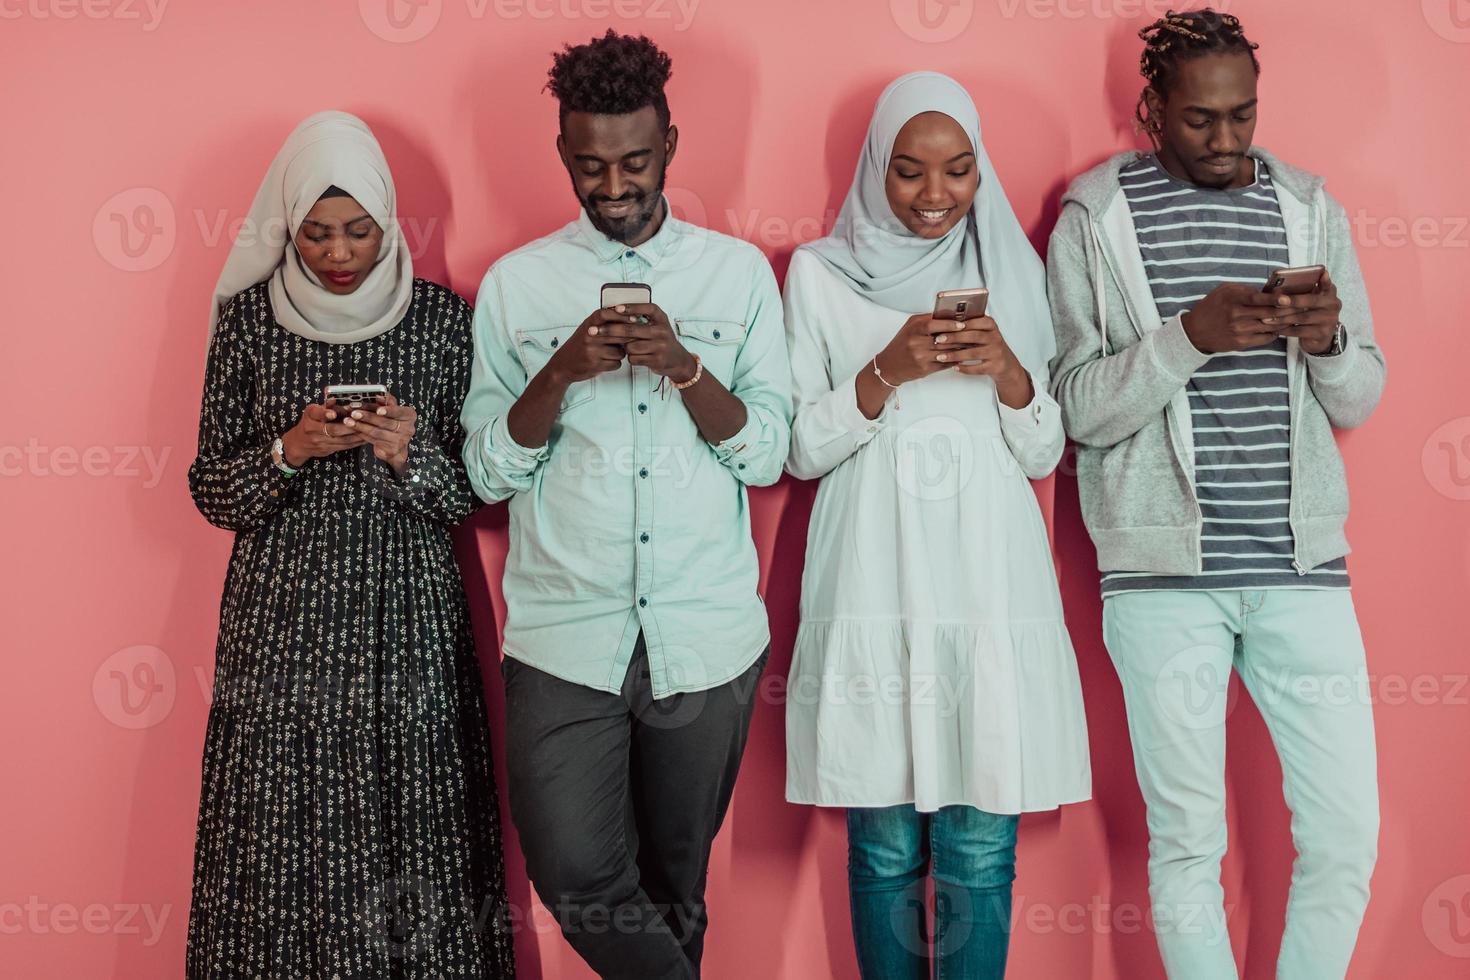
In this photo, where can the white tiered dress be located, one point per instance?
(932, 665)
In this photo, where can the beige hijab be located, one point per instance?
(328, 148)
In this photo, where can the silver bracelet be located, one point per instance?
(891, 386)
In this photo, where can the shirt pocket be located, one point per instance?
(535, 348)
(717, 342)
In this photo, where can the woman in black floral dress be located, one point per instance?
(348, 825)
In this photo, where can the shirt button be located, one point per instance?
(643, 600)
(717, 335)
(553, 341)
(629, 254)
(740, 466)
(643, 537)
(642, 408)
(643, 473)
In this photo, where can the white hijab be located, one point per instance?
(885, 262)
(326, 149)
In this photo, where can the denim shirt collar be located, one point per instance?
(663, 242)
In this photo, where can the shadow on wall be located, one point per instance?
(172, 751)
(491, 522)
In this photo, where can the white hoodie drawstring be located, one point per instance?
(1097, 286)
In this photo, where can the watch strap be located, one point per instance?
(278, 457)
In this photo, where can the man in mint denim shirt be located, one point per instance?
(625, 440)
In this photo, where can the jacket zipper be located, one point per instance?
(1294, 403)
(1169, 414)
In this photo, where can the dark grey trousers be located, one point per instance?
(617, 799)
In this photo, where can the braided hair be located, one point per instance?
(1179, 37)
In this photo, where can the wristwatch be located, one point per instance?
(1339, 343)
(278, 456)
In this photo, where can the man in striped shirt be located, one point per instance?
(1193, 239)
(1202, 407)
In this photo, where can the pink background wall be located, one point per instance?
(134, 135)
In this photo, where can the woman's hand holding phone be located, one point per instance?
(914, 352)
(987, 354)
(388, 429)
(318, 433)
(925, 345)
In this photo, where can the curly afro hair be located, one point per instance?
(611, 75)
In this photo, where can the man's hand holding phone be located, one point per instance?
(589, 351)
(1311, 317)
(1232, 317)
(648, 339)
(592, 349)
(1299, 303)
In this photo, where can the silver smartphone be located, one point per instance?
(344, 399)
(961, 304)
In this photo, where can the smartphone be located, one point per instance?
(343, 399)
(1295, 281)
(960, 304)
(625, 293)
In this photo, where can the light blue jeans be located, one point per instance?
(891, 851)
(1300, 655)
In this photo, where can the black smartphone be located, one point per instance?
(625, 294)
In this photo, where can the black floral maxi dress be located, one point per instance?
(348, 821)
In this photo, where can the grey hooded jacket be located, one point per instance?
(1120, 374)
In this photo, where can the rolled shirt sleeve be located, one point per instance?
(762, 381)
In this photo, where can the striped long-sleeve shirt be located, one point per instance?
(1193, 239)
